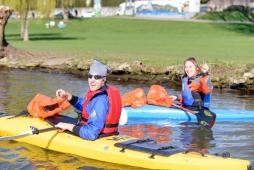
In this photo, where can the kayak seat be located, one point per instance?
(53, 120)
(148, 145)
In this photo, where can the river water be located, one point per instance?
(17, 88)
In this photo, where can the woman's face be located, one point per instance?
(96, 82)
(190, 69)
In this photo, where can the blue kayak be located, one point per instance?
(153, 113)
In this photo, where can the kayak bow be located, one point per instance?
(105, 149)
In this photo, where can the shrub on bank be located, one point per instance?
(232, 13)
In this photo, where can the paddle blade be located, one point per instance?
(135, 98)
(206, 118)
(157, 95)
(43, 106)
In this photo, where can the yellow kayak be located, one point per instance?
(112, 148)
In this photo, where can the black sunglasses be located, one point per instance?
(96, 77)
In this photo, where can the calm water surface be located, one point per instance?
(18, 87)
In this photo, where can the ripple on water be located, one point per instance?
(9, 156)
(4, 150)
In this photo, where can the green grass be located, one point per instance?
(158, 43)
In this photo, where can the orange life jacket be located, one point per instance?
(115, 107)
(43, 106)
(157, 95)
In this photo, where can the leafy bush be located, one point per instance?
(232, 13)
(204, 1)
(239, 8)
(111, 2)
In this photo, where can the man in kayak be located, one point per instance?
(197, 91)
(100, 109)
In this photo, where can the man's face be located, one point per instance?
(96, 82)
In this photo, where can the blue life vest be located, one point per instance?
(207, 100)
(186, 93)
(196, 99)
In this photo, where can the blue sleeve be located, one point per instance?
(207, 100)
(208, 97)
(77, 102)
(97, 109)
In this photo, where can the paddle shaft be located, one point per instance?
(184, 109)
(37, 131)
(33, 131)
(208, 121)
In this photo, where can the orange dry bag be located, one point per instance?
(135, 98)
(157, 95)
(43, 106)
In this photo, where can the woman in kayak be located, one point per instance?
(197, 91)
(100, 109)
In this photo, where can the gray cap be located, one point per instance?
(97, 68)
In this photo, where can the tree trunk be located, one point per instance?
(25, 29)
(21, 26)
(5, 13)
(24, 33)
(66, 14)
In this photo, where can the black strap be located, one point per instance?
(111, 125)
(102, 135)
(84, 119)
(160, 149)
(136, 141)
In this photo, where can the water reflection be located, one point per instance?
(18, 87)
(158, 133)
(196, 138)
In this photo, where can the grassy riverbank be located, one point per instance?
(157, 43)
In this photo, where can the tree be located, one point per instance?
(24, 6)
(42, 7)
(5, 13)
(204, 1)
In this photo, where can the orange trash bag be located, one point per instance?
(135, 98)
(43, 106)
(157, 95)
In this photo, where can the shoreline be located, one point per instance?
(223, 75)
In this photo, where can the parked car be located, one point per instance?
(87, 14)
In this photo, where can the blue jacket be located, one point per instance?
(196, 99)
(97, 109)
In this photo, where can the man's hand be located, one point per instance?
(61, 94)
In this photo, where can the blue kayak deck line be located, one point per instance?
(157, 112)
